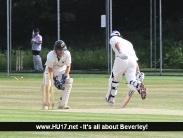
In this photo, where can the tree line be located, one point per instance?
(80, 22)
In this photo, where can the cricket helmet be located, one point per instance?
(115, 33)
(60, 45)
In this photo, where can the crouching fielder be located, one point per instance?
(59, 62)
(124, 63)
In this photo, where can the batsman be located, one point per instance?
(59, 63)
(125, 63)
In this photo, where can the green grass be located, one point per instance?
(20, 101)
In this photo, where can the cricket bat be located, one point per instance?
(32, 33)
(127, 99)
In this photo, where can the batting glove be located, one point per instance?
(140, 76)
(122, 56)
(57, 83)
(33, 40)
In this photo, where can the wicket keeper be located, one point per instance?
(59, 62)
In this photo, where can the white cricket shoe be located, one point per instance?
(45, 107)
(110, 99)
(63, 107)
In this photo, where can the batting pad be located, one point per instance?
(64, 94)
(112, 88)
(132, 87)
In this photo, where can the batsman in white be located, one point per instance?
(36, 42)
(125, 63)
(59, 62)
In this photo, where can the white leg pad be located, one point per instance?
(64, 94)
(112, 88)
(134, 86)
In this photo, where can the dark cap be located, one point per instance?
(60, 45)
(36, 29)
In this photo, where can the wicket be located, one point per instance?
(19, 60)
(47, 90)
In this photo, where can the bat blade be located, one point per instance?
(32, 33)
(127, 99)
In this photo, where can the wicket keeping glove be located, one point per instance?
(63, 79)
(140, 76)
(56, 82)
(122, 56)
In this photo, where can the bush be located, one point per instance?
(88, 59)
(81, 59)
(172, 54)
(96, 58)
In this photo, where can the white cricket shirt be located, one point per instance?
(126, 47)
(58, 64)
(36, 46)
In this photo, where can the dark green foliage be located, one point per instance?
(141, 45)
(80, 29)
(81, 59)
(88, 59)
(95, 58)
(172, 54)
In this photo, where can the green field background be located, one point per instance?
(20, 101)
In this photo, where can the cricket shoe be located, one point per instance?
(35, 70)
(142, 91)
(63, 107)
(110, 99)
(40, 70)
(45, 107)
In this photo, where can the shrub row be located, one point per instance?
(89, 59)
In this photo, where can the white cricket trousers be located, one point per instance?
(127, 67)
(37, 62)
